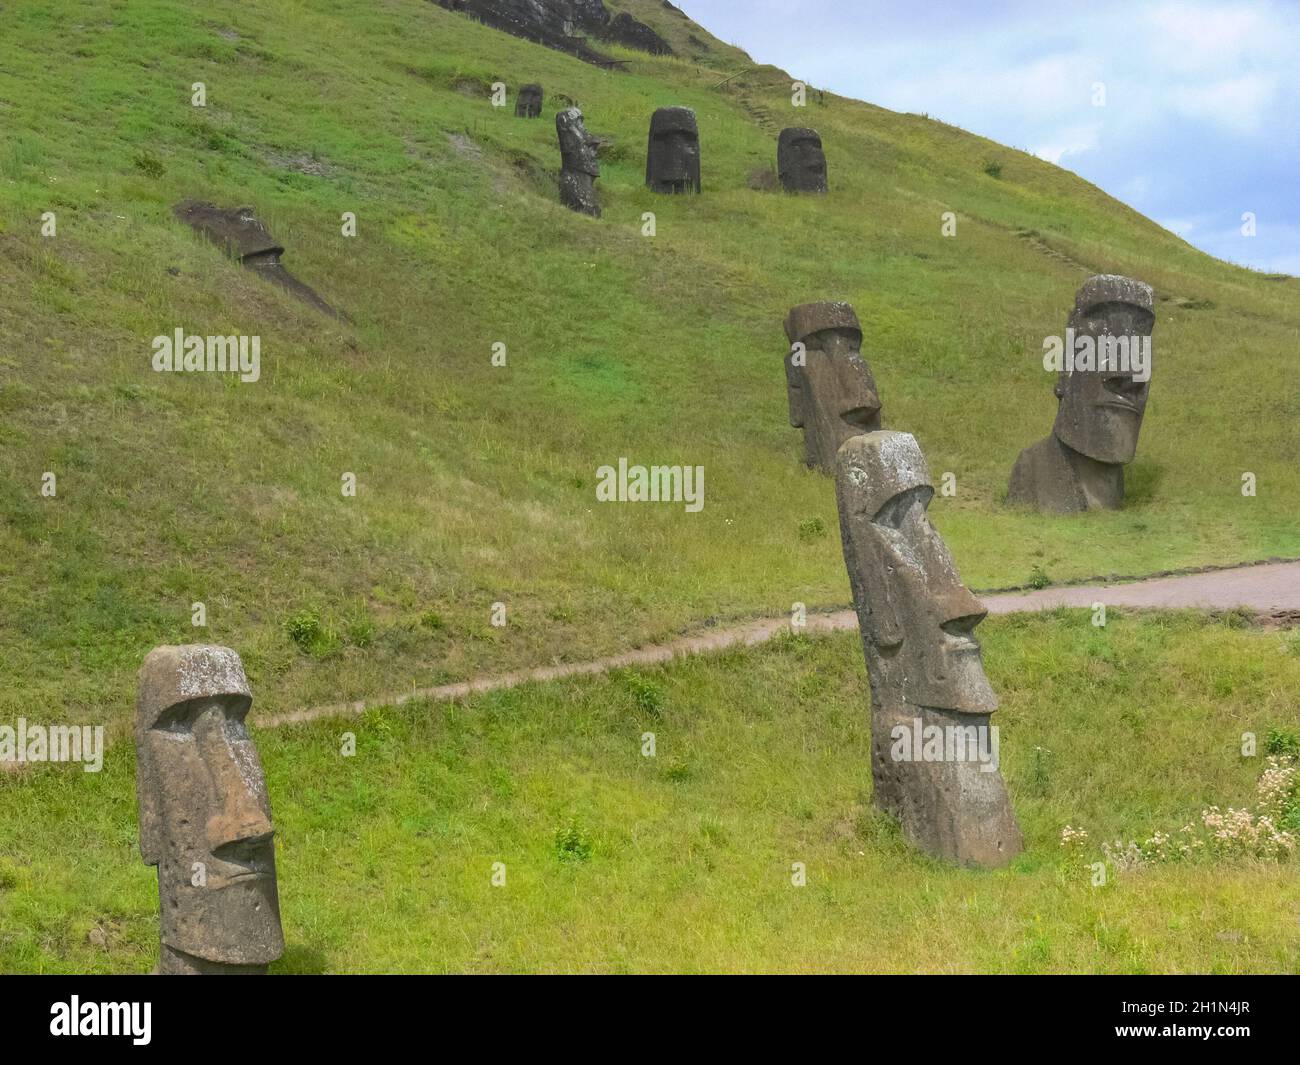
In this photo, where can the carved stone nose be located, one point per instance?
(239, 814)
(960, 611)
(238, 826)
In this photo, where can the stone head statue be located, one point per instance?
(1101, 401)
(1100, 411)
(918, 623)
(800, 161)
(236, 230)
(831, 392)
(243, 236)
(912, 607)
(528, 104)
(578, 165)
(577, 146)
(205, 820)
(673, 156)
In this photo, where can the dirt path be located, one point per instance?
(1271, 588)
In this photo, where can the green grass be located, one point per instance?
(477, 484)
(616, 862)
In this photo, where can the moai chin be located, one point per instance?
(528, 104)
(800, 161)
(934, 755)
(832, 395)
(205, 820)
(1080, 466)
(673, 156)
(579, 167)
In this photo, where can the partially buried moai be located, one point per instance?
(240, 234)
(800, 161)
(831, 392)
(1101, 391)
(205, 820)
(673, 155)
(579, 167)
(935, 757)
(528, 104)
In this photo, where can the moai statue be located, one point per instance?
(205, 821)
(800, 161)
(1100, 406)
(828, 383)
(673, 157)
(934, 755)
(579, 168)
(528, 104)
(240, 234)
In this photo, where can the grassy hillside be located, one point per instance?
(476, 484)
(683, 862)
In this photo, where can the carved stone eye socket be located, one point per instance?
(177, 719)
(894, 513)
(180, 718)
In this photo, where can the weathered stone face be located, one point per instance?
(917, 622)
(800, 161)
(673, 155)
(528, 104)
(239, 233)
(205, 820)
(235, 230)
(1100, 411)
(833, 396)
(577, 146)
(917, 609)
(579, 166)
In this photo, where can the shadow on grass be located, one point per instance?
(299, 961)
(1141, 479)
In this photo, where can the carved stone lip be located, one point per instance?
(251, 874)
(239, 862)
(960, 654)
(932, 708)
(1119, 404)
(861, 416)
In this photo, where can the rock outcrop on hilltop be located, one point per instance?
(625, 30)
(565, 25)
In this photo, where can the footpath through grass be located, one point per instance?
(682, 862)
(476, 484)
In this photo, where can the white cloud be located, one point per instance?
(1227, 64)
(1136, 187)
(1074, 141)
(1199, 105)
(1201, 37)
(1236, 104)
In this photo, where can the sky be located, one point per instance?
(1200, 122)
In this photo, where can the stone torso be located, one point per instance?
(1050, 476)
